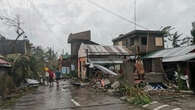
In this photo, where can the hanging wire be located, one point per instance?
(117, 15)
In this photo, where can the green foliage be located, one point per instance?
(137, 95)
(23, 67)
(166, 31)
(174, 37)
(30, 66)
(180, 83)
(6, 84)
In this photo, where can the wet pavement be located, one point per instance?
(185, 102)
(67, 97)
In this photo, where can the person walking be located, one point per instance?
(51, 77)
(58, 75)
(46, 77)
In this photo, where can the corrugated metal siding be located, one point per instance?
(102, 50)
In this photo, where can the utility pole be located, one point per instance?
(135, 18)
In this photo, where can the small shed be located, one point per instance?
(108, 56)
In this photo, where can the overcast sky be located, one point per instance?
(49, 22)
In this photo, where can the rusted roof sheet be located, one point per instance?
(172, 52)
(102, 50)
(4, 63)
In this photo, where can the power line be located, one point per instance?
(115, 14)
(39, 14)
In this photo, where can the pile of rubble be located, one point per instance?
(107, 85)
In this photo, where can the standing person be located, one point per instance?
(51, 77)
(58, 74)
(139, 68)
(46, 76)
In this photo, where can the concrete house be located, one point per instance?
(75, 41)
(141, 41)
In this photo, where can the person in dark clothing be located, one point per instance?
(58, 74)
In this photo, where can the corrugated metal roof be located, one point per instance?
(180, 58)
(180, 51)
(105, 70)
(138, 32)
(107, 62)
(4, 63)
(102, 50)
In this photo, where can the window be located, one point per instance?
(144, 40)
(158, 41)
(127, 43)
(120, 43)
(131, 41)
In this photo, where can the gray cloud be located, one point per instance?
(49, 22)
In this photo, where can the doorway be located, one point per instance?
(192, 75)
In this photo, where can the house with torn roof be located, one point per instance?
(142, 42)
(75, 40)
(172, 59)
(104, 58)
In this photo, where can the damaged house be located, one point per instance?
(75, 41)
(101, 56)
(182, 58)
(142, 42)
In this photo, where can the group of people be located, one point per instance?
(51, 76)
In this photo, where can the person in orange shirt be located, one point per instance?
(139, 68)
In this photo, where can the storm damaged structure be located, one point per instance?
(180, 59)
(76, 40)
(141, 42)
(110, 57)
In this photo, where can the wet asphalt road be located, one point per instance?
(67, 97)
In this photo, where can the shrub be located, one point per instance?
(137, 95)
